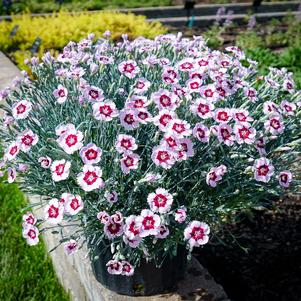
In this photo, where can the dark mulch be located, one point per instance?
(270, 270)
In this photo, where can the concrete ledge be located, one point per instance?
(8, 71)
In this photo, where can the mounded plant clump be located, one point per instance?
(145, 145)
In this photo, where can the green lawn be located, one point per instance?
(26, 273)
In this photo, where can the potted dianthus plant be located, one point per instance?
(145, 147)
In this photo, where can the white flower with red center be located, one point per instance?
(163, 232)
(263, 170)
(165, 99)
(63, 128)
(73, 204)
(133, 243)
(103, 217)
(186, 65)
(12, 151)
(170, 75)
(163, 119)
(222, 115)
(185, 149)
(244, 133)
(260, 146)
(129, 68)
(141, 86)
(90, 154)
(90, 178)
(241, 115)
(180, 215)
(23, 167)
(201, 132)
(113, 229)
(215, 175)
(270, 107)
(274, 125)
(70, 247)
(197, 234)
(128, 119)
(193, 85)
(60, 170)
(105, 110)
(150, 178)
(127, 268)
(202, 108)
(179, 128)
(114, 267)
(31, 234)
(203, 63)
(285, 178)
(143, 116)
(117, 217)
(224, 134)
(71, 141)
(21, 109)
(289, 86)
(125, 143)
(54, 212)
(29, 218)
(197, 75)
(209, 93)
(251, 93)
(61, 94)
(45, 162)
(150, 223)
(129, 161)
(133, 227)
(11, 175)
(111, 196)
(170, 141)
(288, 107)
(137, 102)
(26, 140)
(160, 201)
(93, 94)
(163, 157)
(180, 91)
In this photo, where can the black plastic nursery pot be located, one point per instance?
(147, 280)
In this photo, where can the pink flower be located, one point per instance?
(271, 107)
(141, 86)
(163, 119)
(133, 227)
(63, 128)
(288, 107)
(70, 141)
(202, 108)
(11, 175)
(215, 175)
(70, 247)
(133, 243)
(160, 201)
(186, 64)
(127, 268)
(90, 154)
(129, 68)
(244, 133)
(201, 132)
(194, 85)
(263, 170)
(113, 229)
(128, 119)
(12, 151)
(150, 223)
(151, 178)
(45, 162)
(222, 115)
(125, 143)
(94, 94)
(111, 196)
(251, 93)
(60, 94)
(143, 116)
(103, 217)
(105, 110)
(260, 144)
(289, 86)
(180, 215)
(285, 178)
(179, 128)
(163, 157)
(129, 162)
(117, 217)
(31, 234)
(209, 93)
(73, 204)
(274, 125)
(60, 170)
(163, 232)
(21, 109)
(165, 99)
(114, 267)
(29, 218)
(197, 233)
(137, 102)
(23, 167)
(54, 212)
(170, 75)
(26, 140)
(185, 149)
(224, 134)
(241, 115)
(90, 178)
